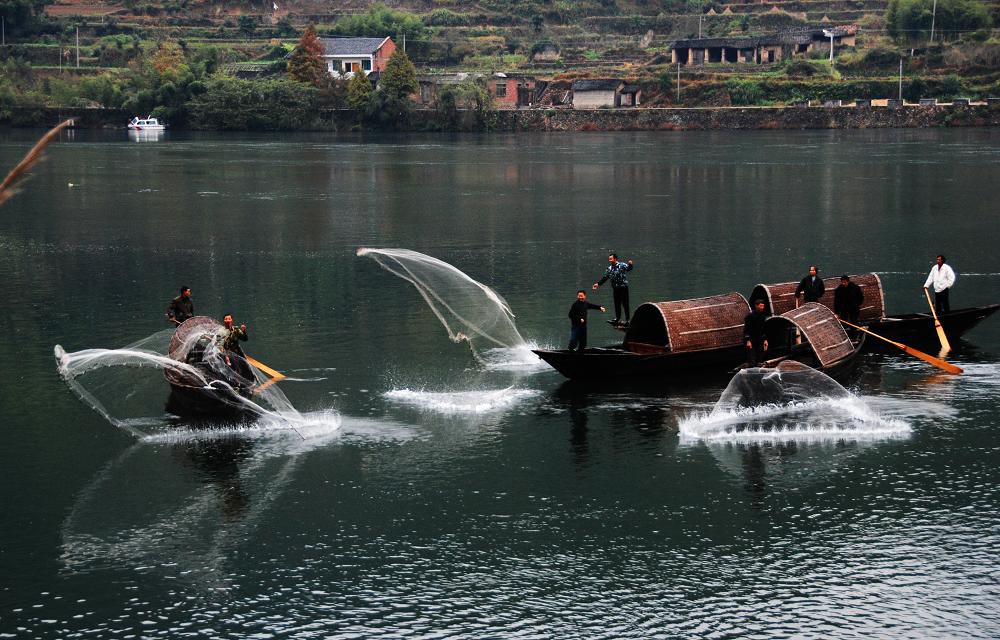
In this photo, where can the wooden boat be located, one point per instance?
(812, 335)
(917, 329)
(217, 390)
(910, 328)
(672, 338)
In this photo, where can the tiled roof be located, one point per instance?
(351, 46)
(596, 85)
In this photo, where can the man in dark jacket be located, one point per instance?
(180, 308)
(847, 299)
(753, 334)
(811, 286)
(578, 320)
(230, 339)
(617, 272)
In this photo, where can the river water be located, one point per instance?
(433, 493)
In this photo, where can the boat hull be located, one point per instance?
(916, 329)
(596, 363)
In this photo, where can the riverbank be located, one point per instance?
(860, 116)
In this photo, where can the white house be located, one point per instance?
(349, 55)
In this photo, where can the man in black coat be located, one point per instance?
(753, 334)
(578, 321)
(847, 299)
(180, 308)
(811, 286)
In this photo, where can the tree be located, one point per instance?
(911, 19)
(168, 57)
(306, 62)
(247, 25)
(399, 80)
(359, 92)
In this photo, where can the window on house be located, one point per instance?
(366, 65)
(501, 90)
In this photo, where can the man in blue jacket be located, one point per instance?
(617, 272)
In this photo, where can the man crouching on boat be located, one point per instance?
(232, 337)
(578, 320)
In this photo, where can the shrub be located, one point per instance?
(744, 92)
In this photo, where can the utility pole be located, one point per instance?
(3, 27)
(933, 15)
(678, 83)
(900, 80)
(404, 40)
(78, 46)
(699, 24)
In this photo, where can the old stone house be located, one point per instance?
(600, 93)
(761, 49)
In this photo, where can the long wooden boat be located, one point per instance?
(916, 329)
(217, 390)
(812, 335)
(910, 328)
(672, 338)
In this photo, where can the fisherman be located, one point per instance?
(942, 277)
(753, 334)
(230, 340)
(847, 299)
(617, 272)
(811, 286)
(181, 308)
(578, 320)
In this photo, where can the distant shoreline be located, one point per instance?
(909, 116)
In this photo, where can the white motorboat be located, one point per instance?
(146, 124)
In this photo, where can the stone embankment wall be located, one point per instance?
(693, 119)
(752, 118)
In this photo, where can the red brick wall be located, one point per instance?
(509, 100)
(382, 55)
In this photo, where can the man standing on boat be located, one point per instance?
(232, 337)
(617, 272)
(847, 299)
(811, 287)
(753, 334)
(181, 308)
(578, 320)
(942, 277)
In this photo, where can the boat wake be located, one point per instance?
(798, 403)
(462, 402)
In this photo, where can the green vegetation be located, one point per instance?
(910, 20)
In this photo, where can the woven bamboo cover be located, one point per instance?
(180, 342)
(691, 325)
(781, 296)
(823, 331)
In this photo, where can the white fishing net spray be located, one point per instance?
(469, 310)
(129, 385)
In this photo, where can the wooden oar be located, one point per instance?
(937, 362)
(945, 345)
(29, 160)
(277, 375)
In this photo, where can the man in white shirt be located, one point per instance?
(942, 277)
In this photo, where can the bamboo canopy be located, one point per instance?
(695, 324)
(780, 297)
(821, 328)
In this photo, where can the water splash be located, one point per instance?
(793, 402)
(461, 402)
(469, 310)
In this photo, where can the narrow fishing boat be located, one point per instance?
(671, 338)
(222, 381)
(911, 328)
